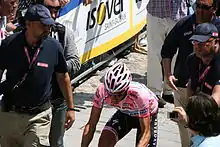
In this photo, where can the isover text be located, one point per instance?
(104, 11)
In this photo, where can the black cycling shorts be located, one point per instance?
(121, 124)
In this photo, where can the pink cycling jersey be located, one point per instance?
(139, 101)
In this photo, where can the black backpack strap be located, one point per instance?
(60, 29)
(188, 5)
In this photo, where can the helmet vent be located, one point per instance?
(116, 73)
(112, 84)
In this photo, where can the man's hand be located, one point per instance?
(171, 80)
(86, 2)
(70, 118)
(10, 27)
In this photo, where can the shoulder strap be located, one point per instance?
(60, 30)
(188, 5)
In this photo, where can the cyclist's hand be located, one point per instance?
(70, 118)
(171, 80)
(86, 2)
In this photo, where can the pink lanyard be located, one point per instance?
(204, 73)
(28, 57)
(30, 64)
(202, 76)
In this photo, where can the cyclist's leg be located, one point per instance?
(115, 129)
(108, 138)
(154, 127)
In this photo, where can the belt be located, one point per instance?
(30, 110)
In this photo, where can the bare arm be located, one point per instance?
(216, 94)
(63, 80)
(145, 132)
(90, 127)
(167, 66)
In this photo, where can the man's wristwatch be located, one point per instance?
(72, 109)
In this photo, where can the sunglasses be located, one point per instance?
(57, 8)
(194, 42)
(116, 94)
(203, 6)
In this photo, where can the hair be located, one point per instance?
(203, 116)
(216, 4)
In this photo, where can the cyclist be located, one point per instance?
(137, 108)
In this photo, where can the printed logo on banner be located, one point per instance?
(104, 11)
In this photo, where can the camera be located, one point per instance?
(172, 115)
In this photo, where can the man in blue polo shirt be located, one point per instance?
(178, 42)
(203, 64)
(30, 58)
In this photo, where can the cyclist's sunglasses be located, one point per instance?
(117, 94)
(203, 6)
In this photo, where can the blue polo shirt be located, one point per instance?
(201, 141)
(36, 89)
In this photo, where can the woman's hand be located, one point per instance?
(182, 116)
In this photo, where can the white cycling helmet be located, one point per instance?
(117, 78)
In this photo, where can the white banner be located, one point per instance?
(103, 25)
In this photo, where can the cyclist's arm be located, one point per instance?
(145, 132)
(90, 126)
